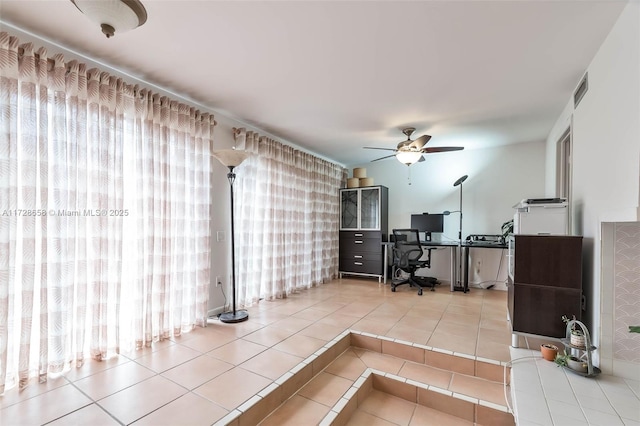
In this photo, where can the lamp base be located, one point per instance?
(233, 317)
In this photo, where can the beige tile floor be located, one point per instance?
(200, 377)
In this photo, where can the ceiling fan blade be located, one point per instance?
(382, 158)
(385, 149)
(421, 141)
(442, 149)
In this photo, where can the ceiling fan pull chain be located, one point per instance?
(409, 174)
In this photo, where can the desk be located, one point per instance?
(465, 253)
(451, 245)
(453, 252)
(453, 258)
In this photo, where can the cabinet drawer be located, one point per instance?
(536, 309)
(548, 260)
(360, 256)
(361, 244)
(359, 235)
(361, 266)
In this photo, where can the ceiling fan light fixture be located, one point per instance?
(408, 157)
(410, 151)
(113, 15)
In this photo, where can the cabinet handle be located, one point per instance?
(357, 256)
(357, 263)
(358, 242)
(357, 235)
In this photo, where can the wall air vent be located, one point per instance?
(581, 90)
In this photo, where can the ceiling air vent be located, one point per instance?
(581, 90)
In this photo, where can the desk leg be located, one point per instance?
(452, 273)
(459, 283)
(465, 254)
(384, 271)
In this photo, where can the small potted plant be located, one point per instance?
(577, 336)
(572, 362)
(577, 364)
(549, 351)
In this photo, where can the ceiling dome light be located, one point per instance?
(113, 15)
(408, 157)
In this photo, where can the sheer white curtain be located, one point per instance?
(169, 259)
(104, 214)
(288, 219)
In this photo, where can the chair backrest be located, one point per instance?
(406, 246)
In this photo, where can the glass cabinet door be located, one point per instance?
(370, 208)
(349, 209)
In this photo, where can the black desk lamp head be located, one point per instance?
(459, 181)
(448, 212)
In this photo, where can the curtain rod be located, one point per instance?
(51, 65)
(227, 115)
(47, 43)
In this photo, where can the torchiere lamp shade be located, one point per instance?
(230, 157)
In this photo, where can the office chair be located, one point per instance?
(407, 257)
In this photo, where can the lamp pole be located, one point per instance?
(459, 278)
(233, 316)
(232, 178)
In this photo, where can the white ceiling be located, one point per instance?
(334, 76)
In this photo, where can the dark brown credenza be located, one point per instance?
(363, 228)
(544, 283)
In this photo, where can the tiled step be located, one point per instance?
(415, 398)
(325, 387)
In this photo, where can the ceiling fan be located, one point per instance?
(410, 151)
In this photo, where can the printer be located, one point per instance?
(541, 216)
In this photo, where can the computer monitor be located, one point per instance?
(428, 223)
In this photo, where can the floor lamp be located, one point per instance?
(459, 183)
(232, 158)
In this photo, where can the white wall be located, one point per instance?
(606, 149)
(498, 179)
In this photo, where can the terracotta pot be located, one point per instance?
(549, 351)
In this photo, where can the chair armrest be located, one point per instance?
(401, 259)
(427, 261)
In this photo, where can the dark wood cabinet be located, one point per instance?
(545, 283)
(360, 252)
(363, 228)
